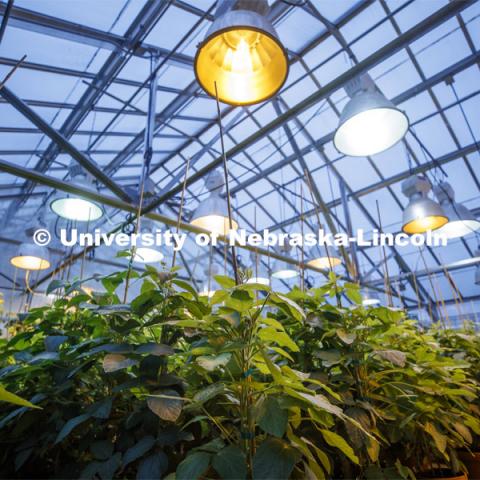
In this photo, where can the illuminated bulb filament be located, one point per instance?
(242, 58)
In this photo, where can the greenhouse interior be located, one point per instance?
(240, 239)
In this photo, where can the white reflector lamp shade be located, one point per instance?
(323, 258)
(30, 256)
(72, 207)
(283, 270)
(461, 221)
(146, 251)
(212, 213)
(75, 208)
(369, 123)
(242, 54)
(422, 213)
(370, 298)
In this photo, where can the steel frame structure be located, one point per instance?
(132, 44)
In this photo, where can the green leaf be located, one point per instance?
(287, 305)
(274, 460)
(273, 419)
(396, 357)
(185, 286)
(208, 393)
(335, 440)
(165, 407)
(102, 449)
(70, 425)
(352, 291)
(212, 362)
(53, 342)
(54, 285)
(156, 349)
(225, 282)
(230, 463)
(346, 337)
(8, 397)
(439, 439)
(194, 466)
(102, 409)
(113, 362)
(138, 450)
(152, 467)
(269, 334)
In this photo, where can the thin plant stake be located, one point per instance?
(180, 211)
(227, 187)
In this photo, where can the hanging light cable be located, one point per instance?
(369, 123)
(242, 53)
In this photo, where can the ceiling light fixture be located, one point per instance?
(211, 214)
(322, 257)
(370, 298)
(259, 271)
(30, 256)
(281, 269)
(461, 221)
(73, 207)
(145, 251)
(242, 54)
(422, 213)
(369, 123)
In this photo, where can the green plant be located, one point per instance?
(171, 382)
(396, 381)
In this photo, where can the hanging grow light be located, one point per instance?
(320, 257)
(260, 273)
(212, 213)
(422, 213)
(30, 256)
(72, 207)
(369, 123)
(145, 251)
(242, 54)
(281, 269)
(461, 221)
(370, 298)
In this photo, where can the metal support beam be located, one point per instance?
(139, 28)
(63, 143)
(57, 27)
(6, 16)
(380, 55)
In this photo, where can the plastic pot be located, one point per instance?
(472, 462)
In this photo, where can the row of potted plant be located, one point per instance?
(247, 383)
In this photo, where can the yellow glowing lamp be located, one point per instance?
(30, 256)
(422, 213)
(212, 213)
(242, 54)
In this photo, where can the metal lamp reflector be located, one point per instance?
(422, 213)
(283, 270)
(212, 213)
(369, 123)
(30, 256)
(75, 208)
(461, 221)
(242, 54)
